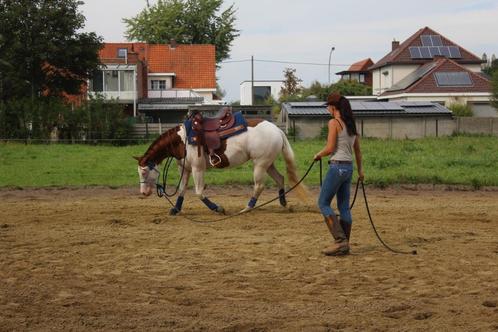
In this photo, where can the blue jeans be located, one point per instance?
(337, 182)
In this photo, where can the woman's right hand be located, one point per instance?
(361, 176)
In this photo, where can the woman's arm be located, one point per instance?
(357, 153)
(331, 141)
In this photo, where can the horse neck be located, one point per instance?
(162, 147)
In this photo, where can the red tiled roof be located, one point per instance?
(194, 65)
(427, 83)
(357, 67)
(361, 65)
(401, 54)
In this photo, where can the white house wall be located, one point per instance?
(245, 90)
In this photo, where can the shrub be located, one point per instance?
(461, 109)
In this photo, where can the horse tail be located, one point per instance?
(290, 163)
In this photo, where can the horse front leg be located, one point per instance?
(181, 193)
(198, 176)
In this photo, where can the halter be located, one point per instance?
(152, 167)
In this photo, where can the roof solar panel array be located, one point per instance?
(453, 79)
(369, 109)
(431, 40)
(429, 52)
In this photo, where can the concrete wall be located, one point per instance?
(401, 128)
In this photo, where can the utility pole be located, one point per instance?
(252, 80)
(330, 56)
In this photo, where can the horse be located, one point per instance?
(262, 142)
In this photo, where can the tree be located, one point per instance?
(494, 81)
(351, 88)
(42, 48)
(291, 84)
(187, 22)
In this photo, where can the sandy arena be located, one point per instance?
(104, 259)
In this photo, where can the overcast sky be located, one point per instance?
(305, 31)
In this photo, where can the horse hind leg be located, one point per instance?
(279, 180)
(259, 177)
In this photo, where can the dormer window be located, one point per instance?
(122, 53)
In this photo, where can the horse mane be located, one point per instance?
(169, 144)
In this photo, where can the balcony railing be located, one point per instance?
(121, 95)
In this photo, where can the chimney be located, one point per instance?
(395, 44)
(172, 44)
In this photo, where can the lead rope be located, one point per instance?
(247, 211)
(413, 252)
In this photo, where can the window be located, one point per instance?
(346, 77)
(362, 78)
(111, 80)
(122, 53)
(158, 85)
(126, 80)
(96, 82)
(261, 94)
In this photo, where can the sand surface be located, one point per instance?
(104, 259)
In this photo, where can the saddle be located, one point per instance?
(211, 130)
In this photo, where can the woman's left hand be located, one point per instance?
(317, 157)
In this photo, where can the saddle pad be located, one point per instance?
(240, 122)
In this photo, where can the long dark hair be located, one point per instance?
(344, 107)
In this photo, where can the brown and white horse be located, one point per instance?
(261, 143)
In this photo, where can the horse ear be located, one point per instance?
(137, 158)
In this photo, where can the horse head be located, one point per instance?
(169, 144)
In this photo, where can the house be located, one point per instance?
(430, 67)
(158, 80)
(262, 91)
(359, 72)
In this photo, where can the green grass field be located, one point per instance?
(459, 160)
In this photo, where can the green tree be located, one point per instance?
(187, 22)
(291, 84)
(351, 88)
(494, 82)
(42, 48)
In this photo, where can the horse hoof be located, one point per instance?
(174, 212)
(245, 210)
(283, 202)
(220, 210)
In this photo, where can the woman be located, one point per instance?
(341, 141)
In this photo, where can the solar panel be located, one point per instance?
(434, 50)
(436, 40)
(415, 52)
(426, 40)
(445, 50)
(455, 52)
(453, 79)
(425, 52)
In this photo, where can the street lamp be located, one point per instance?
(330, 56)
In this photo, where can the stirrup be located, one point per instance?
(211, 160)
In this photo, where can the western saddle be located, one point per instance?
(211, 130)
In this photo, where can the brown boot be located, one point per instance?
(346, 227)
(341, 245)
